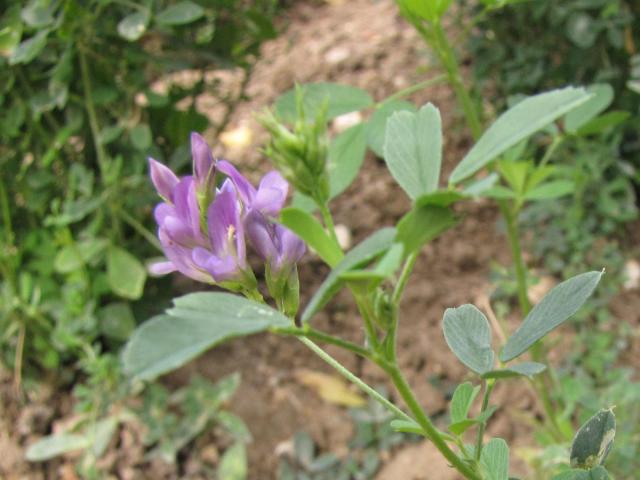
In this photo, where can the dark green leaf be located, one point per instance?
(527, 369)
(441, 198)
(141, 137)
(594, 440)
(603, 122)
(307, 227)
(423, 224)
(360, 255)
(117, 321)
(198, 322)
(557, 306)
(413, 150)
(516, 124)
(340, 99)
(468, 335)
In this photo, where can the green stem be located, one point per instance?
(325, 338)
(513, 237)
(328, 221)
(485, 404)
(91, 113)
(557, 141)
(355, 380)
(141, 229)
(431, 432)
(437, 38)
(364, 308)
(404, 278)
(414, 88)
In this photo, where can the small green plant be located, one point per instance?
(208, 241)
(106, 403)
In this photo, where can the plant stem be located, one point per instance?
(328, 221)
(404, 278)
(414, 88)
(429, 429)
(342, 370)
(19, 357)
(551, 150)
(101, 154)
(488, 388)
(437, 38)
(325, 338)
(513, 237)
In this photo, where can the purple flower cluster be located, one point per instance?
(203, 229)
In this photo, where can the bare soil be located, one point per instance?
(362, 43)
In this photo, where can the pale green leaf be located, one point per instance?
(376, 126)
(557, 306)
(519, 122)
(462, 400)
(126, 275)
(467, 332)
(198, 322)
(602, 96)
(180, 13)
(495, 459)
(422, 224)
(133, 26)
(55, 445)
(527, 369)
(413, 150)
(233, 464)
(346, 155)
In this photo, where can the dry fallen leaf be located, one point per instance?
(331, 389)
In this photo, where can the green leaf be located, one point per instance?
(478, 187)
(413, 150)
(462, 400)
(598, 473)
(125, 273)
(557, 306)
(340, 99)
(495, 459)
(101, 433)
(234, 425)
(133, 26)
(55, 445)
(458, 428)
(594, 440)
(603, 122)
(360, 255)
(582, 29)
(440, 198)
(180, 14)
(468, 335)
(598, 103)
(376, 126)
(346, 155)
(75, 256)
(422, 224)
(527, 369)
(549, 190)
(233, 464)
(116, 321)
(198, 322)
(499, 192)
(38, 14)
(406, 426)
(519, 122)
(307, 227)
(385, 268)
(141, 136)
(29, 49)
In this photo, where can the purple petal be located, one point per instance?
(186, 203)
(243, 186)
(271, 195)
(292, 247)
(261, 235)
(181, 258)
(162, 211)
(163, 179)
(161, 268)
(202, 159)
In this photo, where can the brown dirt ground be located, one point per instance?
(362, 43)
